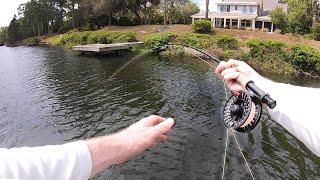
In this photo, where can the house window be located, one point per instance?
(251, 9)
(245, 9)
(225, 8)
(236, 7)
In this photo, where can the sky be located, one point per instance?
(9, 7)
(7, 10)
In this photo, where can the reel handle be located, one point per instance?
(263, 96)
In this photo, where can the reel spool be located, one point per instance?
(242, 113)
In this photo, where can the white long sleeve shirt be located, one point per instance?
(297, 111)
(69, 161)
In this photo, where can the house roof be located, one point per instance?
(239, 3)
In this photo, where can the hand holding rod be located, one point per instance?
(263, 96)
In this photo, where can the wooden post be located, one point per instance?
(271, 27)
(225, 23)
(193, 20)
(262, 25)
(239, 23)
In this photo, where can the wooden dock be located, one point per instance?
(101, 48)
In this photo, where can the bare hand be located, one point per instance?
(230, 71)
(143, 135)
(121, 147)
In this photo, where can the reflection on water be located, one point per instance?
(49, 96)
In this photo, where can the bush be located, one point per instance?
(260, 48)
(196, 40)
(316, 32)
(227, 54)
(227, 42)
(158, 40)
(202, 26)
(92, 37)
(306, 58)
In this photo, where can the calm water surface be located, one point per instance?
(50, 96)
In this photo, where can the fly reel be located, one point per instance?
(242, 113)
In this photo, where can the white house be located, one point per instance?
(243, 14)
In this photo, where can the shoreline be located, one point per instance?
(184, 34)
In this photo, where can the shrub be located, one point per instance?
(306, 58)
(83, 37)
(316, 32)
(157, 40)
(227, 54)
(260, 48)
(98, 37)
(227, 42)
(91, 37)
(196, 40)
(202, 26)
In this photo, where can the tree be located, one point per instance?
(299, 16)
(279, 18)
(187, 10)
(3, 35)
(315, 12)
(13, 31)
(179, 11)
(207, 9)
(165, 12)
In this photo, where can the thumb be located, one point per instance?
(164, 127)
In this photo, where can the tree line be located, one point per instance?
(302, 17)
(42, 17)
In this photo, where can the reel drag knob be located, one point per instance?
(242, 113)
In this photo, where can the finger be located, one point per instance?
(220, 67)
(164, 127)
(224, 65)
(162, 138)
(234, 86)
(235, 62)
(236, 93)
(231, 76)
(229, 70)
(152, 120)
(154, 145)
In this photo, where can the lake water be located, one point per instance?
(51, 96)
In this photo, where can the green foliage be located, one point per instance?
(31, 41)
(227, 42)
(202, 26)
(180, 11)
(316, 32)
(279, 18)
(227, 54)
(261, 48)
(14, 33)
(3, 36)
(158, 40)
(196, 40)
(92, 37)
(299, 16)
(306, 58)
